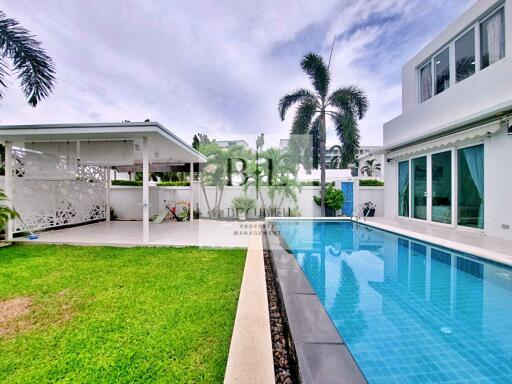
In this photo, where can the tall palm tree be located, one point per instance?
(345, 106)
(370, 167)
(33, 66)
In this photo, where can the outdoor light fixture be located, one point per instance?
(389, 160)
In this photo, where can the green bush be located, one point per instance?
(173, 184)
(371, 183)
(127, 183)
(334, 198)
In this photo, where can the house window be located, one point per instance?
(492, 38)
(439, 71)
(426, 82)
(442, 70)
(465, 55)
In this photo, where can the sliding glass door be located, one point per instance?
(442, 187)
(419, 187)
(445, 187)
(470, 181)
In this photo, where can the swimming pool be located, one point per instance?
(409, 312)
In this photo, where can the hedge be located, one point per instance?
(130, 183)
(371, 183)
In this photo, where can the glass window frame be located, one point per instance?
(491, 13)
(435, 74)
(461, 36)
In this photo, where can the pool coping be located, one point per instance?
(322, 355)
(250, 354)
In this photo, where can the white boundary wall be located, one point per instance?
(126, 200)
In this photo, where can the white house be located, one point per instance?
(447, 154)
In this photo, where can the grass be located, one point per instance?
(123, 315)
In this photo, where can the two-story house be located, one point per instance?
(448, 155)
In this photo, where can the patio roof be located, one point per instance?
(164, 146)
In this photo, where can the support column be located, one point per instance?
(8, 188)
(107, 194)
(145, 190)
(191, 192)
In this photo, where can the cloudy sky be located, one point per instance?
(217, 67)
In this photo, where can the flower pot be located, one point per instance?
(242, 214)
(329, 212)
(369, 212)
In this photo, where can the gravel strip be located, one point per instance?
(285, 366)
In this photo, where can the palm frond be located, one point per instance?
(303, 117)
(300, 95)
(350, 99)
(348, 134)
(314, 65)
(34, 67)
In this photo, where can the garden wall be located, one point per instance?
(126, 200)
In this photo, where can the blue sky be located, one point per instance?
(218, 67)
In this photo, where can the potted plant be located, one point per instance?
(242, 204)
(369, 209)
(334, 200)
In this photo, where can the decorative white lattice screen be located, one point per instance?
(45, 194)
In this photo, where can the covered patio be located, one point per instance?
(58, 175)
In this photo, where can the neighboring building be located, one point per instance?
(331, 152)
(447, 154)
(232, 143)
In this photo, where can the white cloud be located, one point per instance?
(216, 67)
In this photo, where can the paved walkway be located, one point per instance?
(204, 233)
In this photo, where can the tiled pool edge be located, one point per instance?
(322, 355)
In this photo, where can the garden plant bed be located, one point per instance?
(125, 315)
(285, 366)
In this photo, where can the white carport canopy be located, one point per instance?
(100, 145)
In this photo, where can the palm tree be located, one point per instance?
(344, 106)
(370, 167)
(6, 212)
(34, 67)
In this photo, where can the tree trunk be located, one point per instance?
(210, 213)
(322, 163)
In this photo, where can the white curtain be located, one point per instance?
(495, 40)
(475, 160)
(426, 82)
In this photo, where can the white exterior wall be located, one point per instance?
(498, 185)
(482, 92)
(126, 200)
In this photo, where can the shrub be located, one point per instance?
(127, 183)
(173, 184)
(243, 203)
(334, 198)
(371, 183)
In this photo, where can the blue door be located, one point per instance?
(348, 190)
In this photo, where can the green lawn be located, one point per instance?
(119, 315)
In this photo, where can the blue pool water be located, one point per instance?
(409, 312)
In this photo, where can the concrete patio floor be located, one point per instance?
(204, 233)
